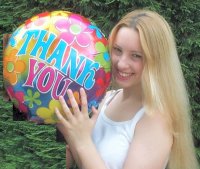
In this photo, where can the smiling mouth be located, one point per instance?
(124, 75)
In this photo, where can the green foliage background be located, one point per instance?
(29, 146)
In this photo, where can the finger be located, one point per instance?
(61, 127)
(73, 102)
(66, 109)
(60, 117)
(95, 114)
(84, 105)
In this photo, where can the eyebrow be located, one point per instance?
(132, 51)
(116, 45)
(138, 52)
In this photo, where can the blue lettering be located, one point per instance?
(88, 73)
(28, 36)
(71, 66)
(80, 69)
(57, 54)
(43, 44)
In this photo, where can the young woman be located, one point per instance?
(145, 124)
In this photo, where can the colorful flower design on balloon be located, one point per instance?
(18, 99)
(102, 82)
(92, 103)
(38, 21)
(60, 13)
(102, 56)
(48, 114)
(74, 30)
(97, 31)
(32, 98)
(12, 67)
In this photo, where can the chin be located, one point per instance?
(122, 84)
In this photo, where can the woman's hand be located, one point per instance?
(76, 126)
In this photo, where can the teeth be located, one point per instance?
(125, 74)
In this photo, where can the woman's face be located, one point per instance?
(127, 58)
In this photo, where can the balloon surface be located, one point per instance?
(50, 53)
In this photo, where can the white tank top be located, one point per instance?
(112, 139)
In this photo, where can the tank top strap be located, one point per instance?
(109, 99)
(135, 120)
(111, 96)
(137, 116)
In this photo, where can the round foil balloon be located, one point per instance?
(50, 53)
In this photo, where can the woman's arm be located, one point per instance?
(151, 146)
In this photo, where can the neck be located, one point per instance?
(133, 94)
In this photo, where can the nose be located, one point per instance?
(122, 62)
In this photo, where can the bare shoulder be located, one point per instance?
(154, 129)
(155, 122)
(151, 144)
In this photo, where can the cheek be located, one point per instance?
(113, 59)
(139, 66)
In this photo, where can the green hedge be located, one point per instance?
(25, 145)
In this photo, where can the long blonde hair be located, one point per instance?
(163, 84)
